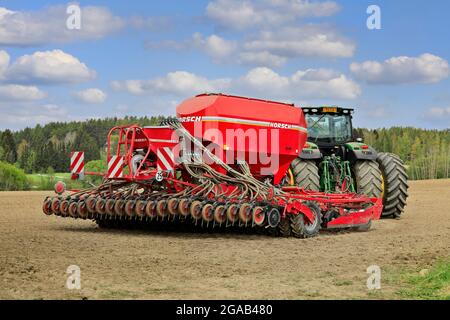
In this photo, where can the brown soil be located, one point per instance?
(35, 251)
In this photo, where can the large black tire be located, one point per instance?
(306, 174)
(284, 228)
(368, 178)
(299, 229)
(395, 181)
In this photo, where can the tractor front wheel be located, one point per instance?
(395, 184)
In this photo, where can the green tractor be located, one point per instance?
(333, 160)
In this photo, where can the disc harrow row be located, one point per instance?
(122, 204)
(186, 209)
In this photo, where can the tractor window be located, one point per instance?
(329, 127)
(318, 125)
(342, 128)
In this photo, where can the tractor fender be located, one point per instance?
(359, 151)
(310, 152)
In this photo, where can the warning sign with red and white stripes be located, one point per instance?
(115, 167)
(77, 163)
(166, 161)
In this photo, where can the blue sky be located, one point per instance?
(144, 57)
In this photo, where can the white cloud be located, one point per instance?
(261, 58)
(170, 44)
(17, 115)
(14, 92)
(437, 113)
(263, 82)
(136, 87)
(28, 28)
(235, 14)
(275, 35)
(426, 68)
(53, 66)
(179, 83)
(54, 110)
(214, 45)
(151, 23)
(4, 62)
(92, 95)
(268, 48)
(301, 41)
(312, 83)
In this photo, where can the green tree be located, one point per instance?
(84, 142)
(23, 155)
(9, 147)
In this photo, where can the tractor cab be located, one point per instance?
(329, 127)
(330, 131)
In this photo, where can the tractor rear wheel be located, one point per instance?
(306, 174)
(395, 184)
(368, 178)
